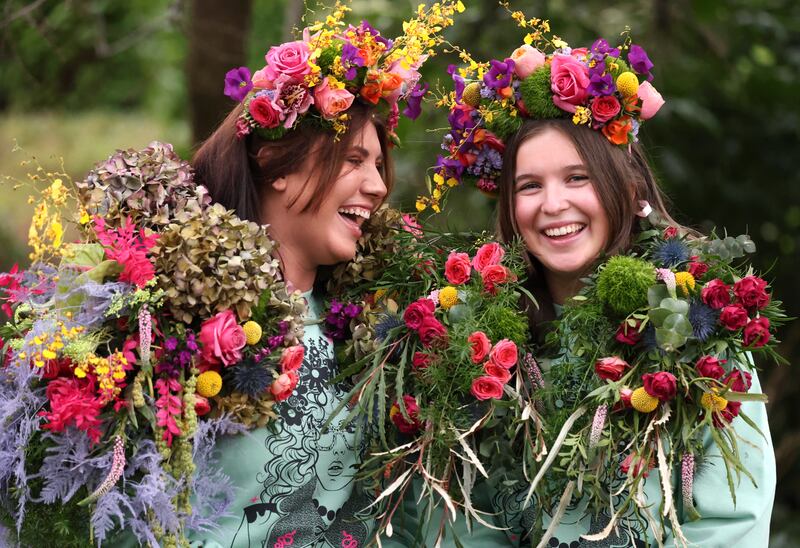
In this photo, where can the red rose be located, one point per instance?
(611, 368)
(625, 394)
(739, 381)
(670, 232)
(487, 387)
(266, 113)
(697, 268)
(500, 373)
(638, 463)
(756, 332)
(488, 255)
(284, 385)
(420, 360)
(733, 317)
(493, 275)
(628, 334)
(292, 358)
(404, 425)
(709, 366)
(604, 109)
(504, 354)
(201, 405)
(479, 346)
(222, 339)
(432, 331)
(716, 294)
(724, 417)
(751, 292)
(457, 269)
(661, 385)
(418, 311)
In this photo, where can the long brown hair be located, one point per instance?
(620, 177)
(237, 171)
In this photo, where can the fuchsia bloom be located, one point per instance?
(129, 247)
(169, 407)
(73, 403)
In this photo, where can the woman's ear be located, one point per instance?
(279, 184)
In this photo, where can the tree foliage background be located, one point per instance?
(79, 78)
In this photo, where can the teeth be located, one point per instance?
(359, 211)
(563, 230)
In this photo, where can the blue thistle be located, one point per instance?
(251, 379)
(672, 253)
(703, 319)
(387, 323)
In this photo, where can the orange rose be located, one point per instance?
(617, 131)
(391, 82)
(371, 92)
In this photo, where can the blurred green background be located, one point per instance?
(80, 78)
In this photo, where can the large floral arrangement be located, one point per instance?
(435, 354)
(128, 351)
(652, 359)
(316, 79)
(606, 88)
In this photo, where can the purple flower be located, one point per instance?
(171, 344)
(366, 27)
(458, 81)
(351, 60)
(238, 83)
(499, 76)
(601, 85)
(600, 49)
(451, 165)
(639, 61)
(414, 101)
(336, 306)
(352, 310)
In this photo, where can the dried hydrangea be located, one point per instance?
(149, 185)
(210, 260)
(246, 410)
(290, 308)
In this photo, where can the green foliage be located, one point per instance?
(329, 55)
(503, 124)
(623, 283)
(537, 95)
(505, 322)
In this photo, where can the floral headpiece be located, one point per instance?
(318, 78)
(605, 88)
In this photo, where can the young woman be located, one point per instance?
(573, 197)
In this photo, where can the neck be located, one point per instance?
(295, 270)
(562, 288)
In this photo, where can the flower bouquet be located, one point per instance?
(444, 383)
(653, 358)
(127, 352)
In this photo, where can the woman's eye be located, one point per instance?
(355, 160)
(528, 186)
(577, 178)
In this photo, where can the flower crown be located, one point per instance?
(605, 88)
(319, 77)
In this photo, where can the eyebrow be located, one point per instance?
(364, 152)
(571, 167)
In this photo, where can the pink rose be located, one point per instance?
(710, 366)
(292, 358)
(628, 334)
(488, 255)
(670, 232)
(418, 311)
(284, 385)
(266, 113)
(404, 425)
(504, 354)
(457, 268)
(751, 291)
(261, 81)
(492, 275)
(420, 360)
(222, 339)
(611, 368)
(288, 59)
(739, 381)
(733, 317)
(526, 60)
(661, 385)
(716, 294)
(569, 80)
(479, 346)
(432, 332)
(605, 108)
(500, 373)
(625, 394)
(331, 102)
(756, 332)
(487, 387)
(651, 100)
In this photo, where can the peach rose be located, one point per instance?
(331, 102)
(526, 60)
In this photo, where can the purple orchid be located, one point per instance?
(601, 84)
(366, 27)
(458, 81)
(351, 60)
(238, 83)
(499, 76)
(640, 62)
(414, 101)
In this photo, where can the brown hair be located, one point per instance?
(620, 177)
(237, 171)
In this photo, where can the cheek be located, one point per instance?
(524, 213)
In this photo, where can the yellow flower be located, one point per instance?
(209, 383)
(685, 281)
(252, 331)
(379, 294)
(448, 297)
(713, 403)
(627, 84)
(582, 116)
(642, 401)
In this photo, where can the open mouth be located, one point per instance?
(564, 232)
(335, 469)
(354, 215)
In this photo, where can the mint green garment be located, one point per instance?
(723, 523)
(295, 485)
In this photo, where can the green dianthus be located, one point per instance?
(538, 97)
(623, 283)
(328, 56)
(504, 323)
(503, 124)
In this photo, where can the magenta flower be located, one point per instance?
(414, 101)
(499, 76)
(640, 62)
(238, 83)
